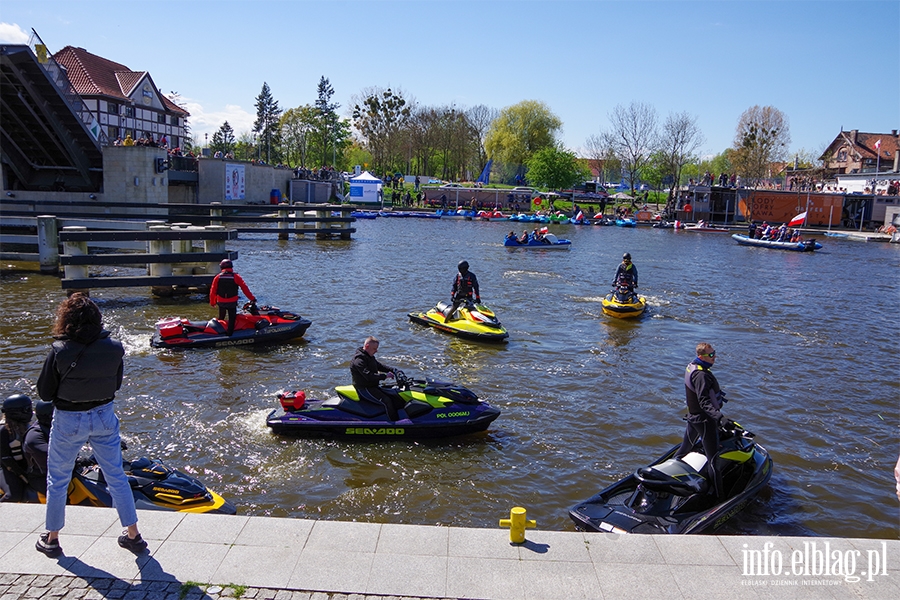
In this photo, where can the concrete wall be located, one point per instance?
(259, 181)
(129, 175)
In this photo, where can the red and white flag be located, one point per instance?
(878, 145)
(798, 220)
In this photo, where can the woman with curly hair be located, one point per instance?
(81, 375)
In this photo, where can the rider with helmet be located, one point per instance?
(224, 292)
(465, 286)
(13, 464)
(37, 443)
(627, 273)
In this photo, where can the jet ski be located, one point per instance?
(155, 487)
(671, 495)
(435, 409)
(254, 325)
(471, 321)
(623, 302)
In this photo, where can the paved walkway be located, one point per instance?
(212, 556)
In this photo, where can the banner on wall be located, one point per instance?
(234, 182)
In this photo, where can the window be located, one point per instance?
(174, 120)
(112, 108)
(129, 111)
(842, 155)
(161, 117)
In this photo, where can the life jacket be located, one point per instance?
(226, 287)
(693, 396)
(463, 286)
(11, 453)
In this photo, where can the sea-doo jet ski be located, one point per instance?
(255, 325)
(623, 302)
(434, 408)
(471, 321)
(672, 496)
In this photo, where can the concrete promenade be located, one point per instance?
(210, 556)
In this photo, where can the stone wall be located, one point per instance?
(129, 175)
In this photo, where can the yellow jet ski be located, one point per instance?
(622, 302)
(471, 321)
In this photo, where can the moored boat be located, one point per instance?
(551, 243)
(803, 246)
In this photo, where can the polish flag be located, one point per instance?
(579, 216)
(878, 145)
(798, 220)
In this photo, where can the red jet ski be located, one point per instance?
(254, 325)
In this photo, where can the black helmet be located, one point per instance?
(463, 266)
(226, 264)
(44, 412)
(626, 256)
(17, 408)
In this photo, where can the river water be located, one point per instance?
(807, 351)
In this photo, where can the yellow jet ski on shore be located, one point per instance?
(471, 321)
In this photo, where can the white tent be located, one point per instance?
(366, 188)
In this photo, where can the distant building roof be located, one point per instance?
(93, 75)
(862, 145)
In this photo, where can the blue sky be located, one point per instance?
(826, 65)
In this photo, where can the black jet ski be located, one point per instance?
(435, 409)
(255, 325)
(671, 495)
(155, 487)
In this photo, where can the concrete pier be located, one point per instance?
(195, 556)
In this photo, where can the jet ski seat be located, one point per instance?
(677, 476)
(216, 326)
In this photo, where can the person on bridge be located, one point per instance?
(368, 373)
(704, 400)
(627, 272)
(465, 288)
(224, 292)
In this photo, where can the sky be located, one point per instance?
(827, 65)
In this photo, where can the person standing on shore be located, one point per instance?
(81, 375)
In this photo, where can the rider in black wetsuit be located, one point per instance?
(368, 373)
(465, 286)
(704, 402)
(627, 271)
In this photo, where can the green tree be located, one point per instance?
(555, 168)
(329, 130)
(762, 137)
(381, 119)
(296, 126)
(223, 140)
(266, 124)
(657, 170)
(520, 131)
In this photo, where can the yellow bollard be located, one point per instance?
(517, 524)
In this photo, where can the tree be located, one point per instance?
(381, 118)
(762, 137)
(520, 131)
(632, 137)
(296, 125)
(480, 118)
(555, 168)
(223, 140)
(604, 158)
(679, 141)
(266, 124)
(187, 143)
(327, 127)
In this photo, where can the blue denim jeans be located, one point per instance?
(70, 431)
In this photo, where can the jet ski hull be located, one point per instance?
(623, 310)
(629, 506)
(466, 327)
(270, 326)
(434, 410)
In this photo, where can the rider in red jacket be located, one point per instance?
(224, 292)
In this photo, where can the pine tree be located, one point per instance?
(266, 124)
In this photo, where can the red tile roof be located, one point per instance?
(93, 75)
